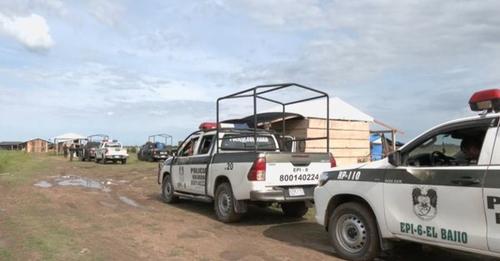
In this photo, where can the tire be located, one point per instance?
(224, 204)
(124, 161)
(167, 190)
(294, 209)
(353, 232)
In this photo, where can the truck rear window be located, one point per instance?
(246, 142)
(160, 146)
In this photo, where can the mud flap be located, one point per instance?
(240, 206)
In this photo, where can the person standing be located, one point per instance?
(65, 150)
(71, 151)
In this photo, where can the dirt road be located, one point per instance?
(52, 209)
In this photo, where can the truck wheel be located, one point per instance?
(124, 161)
(294, 209)
(167, 190)
(353, 232)
(224, 204)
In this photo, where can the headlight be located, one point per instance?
(323, 178)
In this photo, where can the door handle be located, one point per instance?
(466, 181)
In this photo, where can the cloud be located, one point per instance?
(32, 31)
(291, 14)
(358, 40)
(25, 7)
(107, 12)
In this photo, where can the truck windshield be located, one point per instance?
(246, 142)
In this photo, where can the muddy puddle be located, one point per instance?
(74, 181)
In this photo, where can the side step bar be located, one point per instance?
(194, 197)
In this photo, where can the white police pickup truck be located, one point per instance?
(238, 174)
(442, 189)
(111, 151)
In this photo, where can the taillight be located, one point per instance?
(333, 162)
(258, 170)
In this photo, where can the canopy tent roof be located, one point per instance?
(69, 136)
(339, 110)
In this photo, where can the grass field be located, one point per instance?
(123, 218)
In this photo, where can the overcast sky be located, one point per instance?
(133, 68)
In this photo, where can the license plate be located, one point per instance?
(296, 192)
(116, 156)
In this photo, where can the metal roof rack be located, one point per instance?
(257, 92)
(152, 138)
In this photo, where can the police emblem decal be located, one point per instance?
(425, 202)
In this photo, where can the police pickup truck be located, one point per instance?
(238, 174)
(111, 151)
(442, 189)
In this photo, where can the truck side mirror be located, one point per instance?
(395, 158)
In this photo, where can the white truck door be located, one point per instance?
(492, 197)
(436, 195)
(196, 169)
(180, 164)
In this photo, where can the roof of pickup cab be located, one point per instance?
(470, 118)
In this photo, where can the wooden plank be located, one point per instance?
(338, 143)
(336, 124)
(343, 152)
(334, 134)
(339, 134)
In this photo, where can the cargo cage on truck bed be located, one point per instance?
(258, 92)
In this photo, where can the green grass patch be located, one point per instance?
(17, 167)
(12, 160)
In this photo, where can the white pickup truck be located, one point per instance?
(238, 174)
(441, 189)
(111, 151)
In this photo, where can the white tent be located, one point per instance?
(69, 136)
(339, 110)
(66, 137)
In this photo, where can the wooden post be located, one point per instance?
(393, 137)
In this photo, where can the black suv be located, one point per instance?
(154, 151)
(88, 151)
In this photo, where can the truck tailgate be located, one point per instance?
(289, 169)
